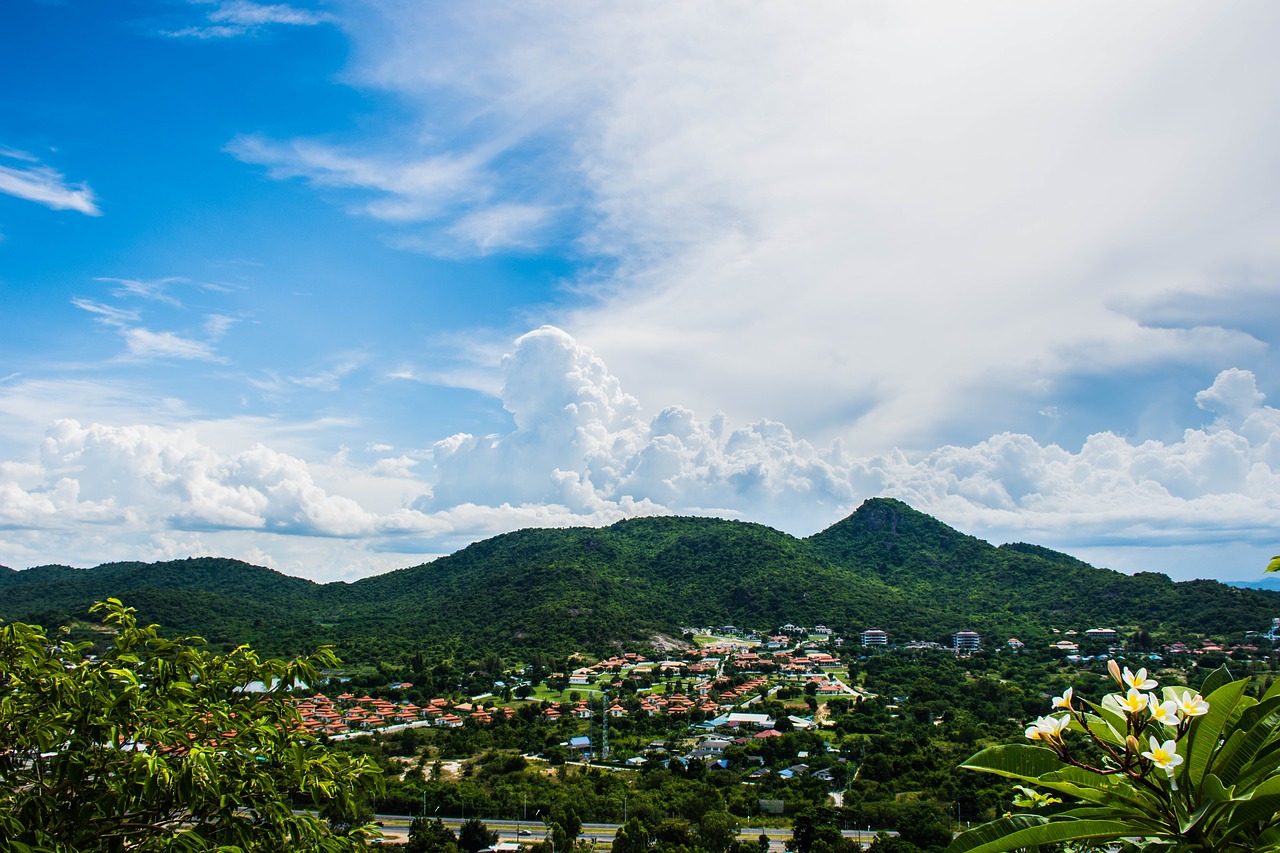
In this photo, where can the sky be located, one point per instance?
(340, 287)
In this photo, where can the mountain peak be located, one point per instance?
(882, 530)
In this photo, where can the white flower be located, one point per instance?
(1139, 680)
(1164, 755)
(1064, 701)
(1133, 702)
(1190, 706)
(1163, 712)
(1048, 728)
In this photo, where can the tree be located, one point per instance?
(717, 830)
(631, 838)
(1191, 772)
(565, 826)
(475, 836)
(816, 826)
(159, 744)
(430, 836)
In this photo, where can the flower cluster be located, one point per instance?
(1164, 719)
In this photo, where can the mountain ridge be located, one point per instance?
(885, 566)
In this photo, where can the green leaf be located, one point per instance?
(1255, 728)
(1205, 731)
(994, 830)
(1274, 565)
(1219, 677)
(1004, 835)
(1015, 761)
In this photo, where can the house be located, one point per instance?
(874, 637)
(1106, 634)
(966, 641)
(710, 748)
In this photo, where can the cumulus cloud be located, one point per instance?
(581, 442)
(583, 452)
(37, 182)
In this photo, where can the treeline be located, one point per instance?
(588, 590)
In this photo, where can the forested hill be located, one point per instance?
(886, 566)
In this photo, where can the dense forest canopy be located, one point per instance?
(556, 591)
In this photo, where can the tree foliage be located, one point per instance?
(475, 836)
(583, 589)
(160, 745)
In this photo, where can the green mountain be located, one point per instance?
(555, 590)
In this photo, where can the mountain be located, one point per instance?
(1271, 582)
(886, 566)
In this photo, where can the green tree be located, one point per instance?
(814, 827)
(565, 826)
(631, 838)
(717, 830)
(431, 836)
(475, 836)
(159, 745)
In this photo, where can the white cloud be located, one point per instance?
(581, 442)
(155, 291)
(244, 13)
(583, 452)
(44, 185)
(407, 190)
(231, 18)
(108, 315)
(896, 224)
(144, 344)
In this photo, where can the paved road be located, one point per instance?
(396, 828)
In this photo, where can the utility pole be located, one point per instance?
(604, 721)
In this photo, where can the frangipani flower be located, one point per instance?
(1114, 669)
(1139, 680)
(1048, 728)
(1165, 756)
(1064, 701)
(1190, 706)
(1163, 712)
(1134, 702)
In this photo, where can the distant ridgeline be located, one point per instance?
(555, 591)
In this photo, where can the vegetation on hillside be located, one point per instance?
(555, 592)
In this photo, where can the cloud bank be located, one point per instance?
(582, 451)
(899, 225)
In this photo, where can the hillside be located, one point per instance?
(556, 590)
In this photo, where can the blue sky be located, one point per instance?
(340, 287)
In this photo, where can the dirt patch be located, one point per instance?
(663, 643)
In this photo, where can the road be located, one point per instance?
(396, 828)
